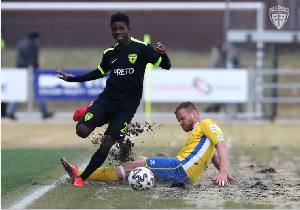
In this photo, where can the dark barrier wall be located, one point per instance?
(180, 30)
(177, 30)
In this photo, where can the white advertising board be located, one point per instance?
(198, 85)
(14, 85)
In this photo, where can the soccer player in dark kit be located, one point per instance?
(117, 104)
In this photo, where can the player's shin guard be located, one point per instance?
(104, 174)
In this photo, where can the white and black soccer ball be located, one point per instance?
(141, 178)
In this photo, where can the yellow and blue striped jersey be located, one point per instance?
(199, 148)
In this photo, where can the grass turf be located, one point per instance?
(109, 196)
(27, 168)
(23, 168)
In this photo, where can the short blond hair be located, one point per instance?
(186, 105)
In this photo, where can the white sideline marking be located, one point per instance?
(35, 195)
(22, 204)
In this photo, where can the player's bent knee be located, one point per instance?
(83, 131)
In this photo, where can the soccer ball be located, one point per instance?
(141, 178)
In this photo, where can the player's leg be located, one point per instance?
(94, 116)
(118, 124)
(124, 169)
(99, 156)
(163, 168)
(168, 169)
(83, 131)
(112, 174)
(104, 174)
(141, 158)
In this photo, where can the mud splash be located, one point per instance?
(123, 150)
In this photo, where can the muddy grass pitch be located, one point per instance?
(262, 157)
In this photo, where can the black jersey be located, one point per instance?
(127, 67)
(124, 87)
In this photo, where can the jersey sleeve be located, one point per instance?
(212, 131)
(151, 55)
(158, 60)
(99, 72)
(92, 75)
(103, 67)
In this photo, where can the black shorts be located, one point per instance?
(101, 113)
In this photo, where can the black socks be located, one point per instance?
(96, 161)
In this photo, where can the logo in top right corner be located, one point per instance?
(279, 15)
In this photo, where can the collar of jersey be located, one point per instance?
(116, 45)
(194, 127)
(131, 38)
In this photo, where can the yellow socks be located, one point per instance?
(103, 174)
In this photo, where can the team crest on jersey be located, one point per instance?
(132, 58)
(88, 116)
(214, 128)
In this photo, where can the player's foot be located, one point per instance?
(78, 182)
(81, 111)
(71, 169)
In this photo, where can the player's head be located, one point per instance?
(119, 17)
(187, 115)
(120, 27)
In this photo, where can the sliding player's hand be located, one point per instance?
(221, 179)
(231, 179)
(160, 48)
(62, 75)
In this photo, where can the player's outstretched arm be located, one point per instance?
(62, 75)
(222, 152)
(165, 62)
(216, 162)
(92, 75)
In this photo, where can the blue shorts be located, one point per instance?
(169, 169)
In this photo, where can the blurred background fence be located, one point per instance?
(76, 38)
